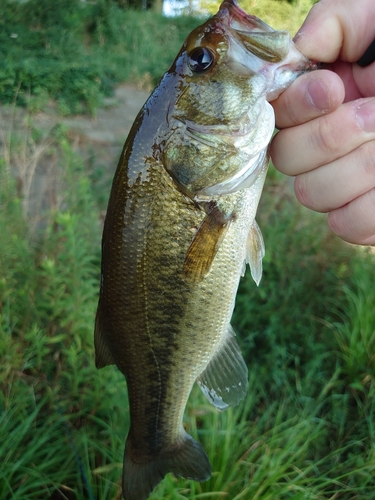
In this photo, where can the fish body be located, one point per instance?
(179, 229)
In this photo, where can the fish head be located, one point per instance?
(230, 61)
(227, 69)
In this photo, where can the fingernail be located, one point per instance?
(317, 95)
(365, 115)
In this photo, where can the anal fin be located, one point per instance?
(225, 380)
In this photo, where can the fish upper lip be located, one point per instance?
(231, 14)
(261, 42)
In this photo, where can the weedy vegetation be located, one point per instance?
(306, 428)
(75, 52)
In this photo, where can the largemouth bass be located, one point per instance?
(179, 229)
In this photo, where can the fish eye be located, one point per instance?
(200, 59)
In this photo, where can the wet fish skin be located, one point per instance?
(179, 227)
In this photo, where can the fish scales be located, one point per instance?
(179, 228)
(153, 305)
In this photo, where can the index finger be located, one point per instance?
(310, 96)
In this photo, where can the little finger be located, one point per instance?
(355, 222)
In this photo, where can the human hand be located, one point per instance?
(327, 120)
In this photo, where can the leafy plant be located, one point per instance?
(74, 52)
(306, 427)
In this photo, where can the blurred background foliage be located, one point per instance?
(306, 428)
(75, 51)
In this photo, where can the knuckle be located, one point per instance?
(302, 191)
(285, 110)
(327, 138)
(355, 222)
(367, 159)
(280, 152)
(293, 113)
(371, 195)
(336, 222)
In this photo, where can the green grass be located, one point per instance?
(76, 52)
(306, 427)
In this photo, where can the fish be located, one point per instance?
(179, 230)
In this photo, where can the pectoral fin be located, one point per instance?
(224, 382)
(255, 252)
(205, 244)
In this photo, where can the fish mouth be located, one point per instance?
(255, 47)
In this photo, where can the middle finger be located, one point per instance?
(318, 142)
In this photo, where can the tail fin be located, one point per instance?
(187, 459)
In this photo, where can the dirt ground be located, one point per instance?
(113, 122)
(105, 134)
(98, 140)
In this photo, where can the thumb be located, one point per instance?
(337, 29)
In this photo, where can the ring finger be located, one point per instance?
(338, 183)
